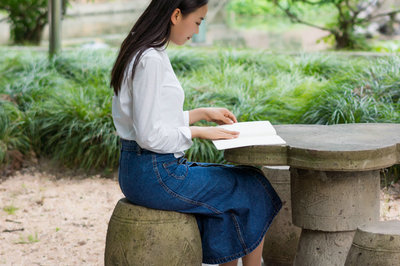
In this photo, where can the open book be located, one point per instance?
(251, 133)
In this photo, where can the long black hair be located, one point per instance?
(152, 29)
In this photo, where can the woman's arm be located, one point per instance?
(218, 115)
(196, 115)
(213, 133)
(151, 131)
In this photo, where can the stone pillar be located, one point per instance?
(55, 27)
(141, 236)
(376, 244)
(281, 240)
(329, 206)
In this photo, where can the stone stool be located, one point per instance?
(283, 236)
(376, 244)
(141, 236)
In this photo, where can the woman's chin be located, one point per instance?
(181, 42)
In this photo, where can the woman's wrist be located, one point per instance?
(198, 114)
(196, 132)
(205, 114)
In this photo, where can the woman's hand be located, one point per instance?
(220, 116)
(213, 133)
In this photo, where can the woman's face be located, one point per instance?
(183, 27)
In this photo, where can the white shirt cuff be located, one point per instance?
(186, 118)
(186, 133)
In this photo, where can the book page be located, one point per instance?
(251, 134)
(253, 128)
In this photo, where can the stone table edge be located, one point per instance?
(314, 159)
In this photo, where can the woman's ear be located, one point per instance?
(176, 16)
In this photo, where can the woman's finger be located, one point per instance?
(230, 132)
(232, 117)
(227, 120)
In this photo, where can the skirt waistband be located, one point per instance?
(131, 145)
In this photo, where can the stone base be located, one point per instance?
(323, 248)
(281, 240)
(138, 235)
(334, 201)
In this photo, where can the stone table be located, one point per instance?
(335, 181)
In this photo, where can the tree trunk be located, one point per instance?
(343, 41)
(24, 35)
(23, 32)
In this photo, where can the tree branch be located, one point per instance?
(361, 9)
(6, 8)
(293, 17)
(349, 7)
(314, 3)
(384, 14)
(339, 8)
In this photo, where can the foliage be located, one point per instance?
(264, 15)
(29, 239)
(10, 209)
(386, 46)
(390, 175)
(14, 144)
(27, 19)
(63, 106)
(369, 94)
(250, 7)
(74, 124)
(350, 14)
(63, 100)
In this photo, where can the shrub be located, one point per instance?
(27, 19)
(64, 105)
(14, 145)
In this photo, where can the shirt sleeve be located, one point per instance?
(152, 133)
(186, 118)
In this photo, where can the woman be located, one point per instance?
(233, 205)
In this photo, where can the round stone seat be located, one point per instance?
(376, 244)
(138, 235)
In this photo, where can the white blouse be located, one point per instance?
(149, 109)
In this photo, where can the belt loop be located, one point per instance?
(138, 150)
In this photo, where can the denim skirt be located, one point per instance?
(234, 205)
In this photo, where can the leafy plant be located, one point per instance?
(28, 239)
(250, 7)
(390, 175)
(27, 19)
(10, 209)
(64, 105)
(76, 127)
(14, 145)
(350, 14)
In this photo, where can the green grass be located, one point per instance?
(29, 239)
(10, 209)
(367, 94)
(13, 142)
(61, 109)
(388, 46)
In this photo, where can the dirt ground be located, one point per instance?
(50, 217)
